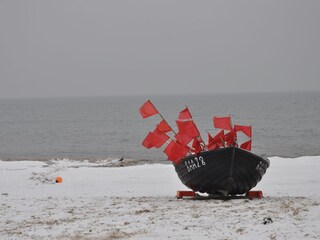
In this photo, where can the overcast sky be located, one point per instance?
(100, 48)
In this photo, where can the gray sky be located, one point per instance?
(88, 48)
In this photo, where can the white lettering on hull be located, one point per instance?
(194, 163)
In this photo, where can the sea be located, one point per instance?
(285, 124)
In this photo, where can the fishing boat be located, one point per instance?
(219, 167)
(224, 171)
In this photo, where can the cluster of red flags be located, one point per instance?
(230, 138)
(188, 132)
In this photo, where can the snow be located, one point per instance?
(98, 201)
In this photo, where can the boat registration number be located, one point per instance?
(194, 163)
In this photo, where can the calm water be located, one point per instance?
(284, 124)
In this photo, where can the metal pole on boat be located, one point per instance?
(230, 179)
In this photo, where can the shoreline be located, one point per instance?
(117, 161)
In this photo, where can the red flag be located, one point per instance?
(209, 138)
(146, 142)
(155, 139)
(185, 114)
(183, 139)
(196, 146)
(222, 122)
(212, 146)
(159, 138)
(175, 151)
(188, 128)
(246, 145)
(217, 140)
(148, 109)
(230, 138)
(163, 126)
(247, 130)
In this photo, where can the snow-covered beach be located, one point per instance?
(97, 201)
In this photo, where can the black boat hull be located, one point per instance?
(228, 170)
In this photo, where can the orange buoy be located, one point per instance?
(58, 179)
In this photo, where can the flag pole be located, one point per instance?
(200, 138)
(171, 130)
(162, 117)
